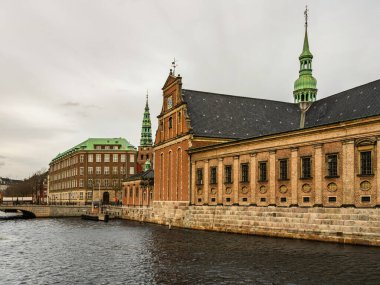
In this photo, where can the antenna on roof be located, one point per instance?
(174, 65)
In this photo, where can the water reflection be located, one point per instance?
(72, 251)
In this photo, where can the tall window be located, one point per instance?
(213, 175)
(199, 176)
(332, 165)
(170, 122)
(90, 170)
(306, 167)
(365, 163)
(283, 169)
(115, 158)
(81, 158)
(90, 158)
(98, 157)
(122, 158)
(98, 170)
(114, 170)
(131, 158)
(262, 171)
(107, 157)
(228, 174)
(244, 172)
(81, 170)
(106, 170)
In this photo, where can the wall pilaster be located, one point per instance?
(253, 178)
(193, 184)
(235, 181)
(318, 169)
(348, 173)
(206, 182)
(378, 171)
(294, 176)
(220, 181)
(272, 178)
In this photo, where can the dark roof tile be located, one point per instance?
(227, 116)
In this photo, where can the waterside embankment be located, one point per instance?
(342, 225)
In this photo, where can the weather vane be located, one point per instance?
(174, 65)
(306, 15)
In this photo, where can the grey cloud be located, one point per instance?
(94, 63)
(71, 104)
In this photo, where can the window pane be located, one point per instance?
(366, 163)
(332, 165)
(263, 171)
(306, 167)
(284, 169)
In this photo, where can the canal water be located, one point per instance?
(73, 251)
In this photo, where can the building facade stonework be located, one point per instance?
(91, 171)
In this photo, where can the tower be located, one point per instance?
(305, 87)
(145, 150)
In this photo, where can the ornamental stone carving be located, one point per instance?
(332, 187)
(263, 189)
(306, 188)
(283, 189)
(228, 190)
(199, 191)
(365, 185)
(213, 191)
(244, 190)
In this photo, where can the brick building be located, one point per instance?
(215, 149)
(174, 137)
(138, 189)
(91, 171)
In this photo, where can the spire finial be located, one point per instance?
(147, 96)
(174, 65)
(306, 16)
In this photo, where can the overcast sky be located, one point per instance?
(70, 70)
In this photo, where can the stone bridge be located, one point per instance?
(47, 211)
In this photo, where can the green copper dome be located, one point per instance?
(306, 81)
(305, 87)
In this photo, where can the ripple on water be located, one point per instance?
(73, 251)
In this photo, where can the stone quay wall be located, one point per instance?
(342, 225)
(49, 211)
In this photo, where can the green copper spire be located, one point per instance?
(146, 130)
(305, 87)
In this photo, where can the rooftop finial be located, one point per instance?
(174, 65)
(306, 16)
(147, 95)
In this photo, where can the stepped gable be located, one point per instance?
(356, 103)
(227, 116)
